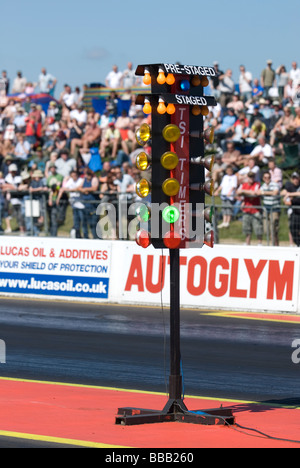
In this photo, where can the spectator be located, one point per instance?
(91, 137)
(226, 88)
(267, 78)
(113, 79)
(22, 149)
(283, 78)
(296, 121)
(109, 196)
(245, 84)
(270, 194)
(19, 84)
(88, 197)
(71, 186)
(54, 183)
(252, 216)
(257, 89)
(19, 120)
(128, 79)
(250, 166)
(37, 188)
(215, 80)
(11, 183)
(235, 103)
(294, 74)
(110, 142)
(227, 190)
(64, 164)
(280, 128)
(291, 197)
(262, 152)
(4, 82)
(275, 172)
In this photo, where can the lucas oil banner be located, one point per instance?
(61, 268)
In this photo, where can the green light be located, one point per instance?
(171, 133)
(143, 213)
(170, 214)
(169, 160)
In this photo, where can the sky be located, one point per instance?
(79, 41)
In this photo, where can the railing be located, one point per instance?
(278, 226)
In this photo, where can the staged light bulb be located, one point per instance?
(161, 108)
(161, 79)
(169, 160)
(170, 187)
(147, 77)
(196, 110)
(171, 109)
(143, 161)
(143, 134)
(204, 110)
(143, 188)
(147, 109)
(171, 133)
(170, 79)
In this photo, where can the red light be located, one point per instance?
(143, 239)
(209, 239)
(172, 240)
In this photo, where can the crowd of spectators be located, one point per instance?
(45, 154)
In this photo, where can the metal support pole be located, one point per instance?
(175, 380)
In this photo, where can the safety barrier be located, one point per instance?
(278, 224)
(225, 277)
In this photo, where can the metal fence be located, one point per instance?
(33, 216)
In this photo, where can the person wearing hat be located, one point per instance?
(291, 197)
(267, 78)
(12, 182)
(252, 214)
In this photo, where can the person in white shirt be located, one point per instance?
(46, 82)
(263, 151)
(294, 74)
(71, 186)
(22, 148)
(227, 190)
(113, 79)
(245, 84)
(19, 84)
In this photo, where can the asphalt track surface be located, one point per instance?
(124, 346)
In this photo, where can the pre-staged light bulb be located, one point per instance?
(170, 79)
(204, 81)
(147, 77)
(147, 109)
(161, 108)
(196, 81)
(161, 79)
